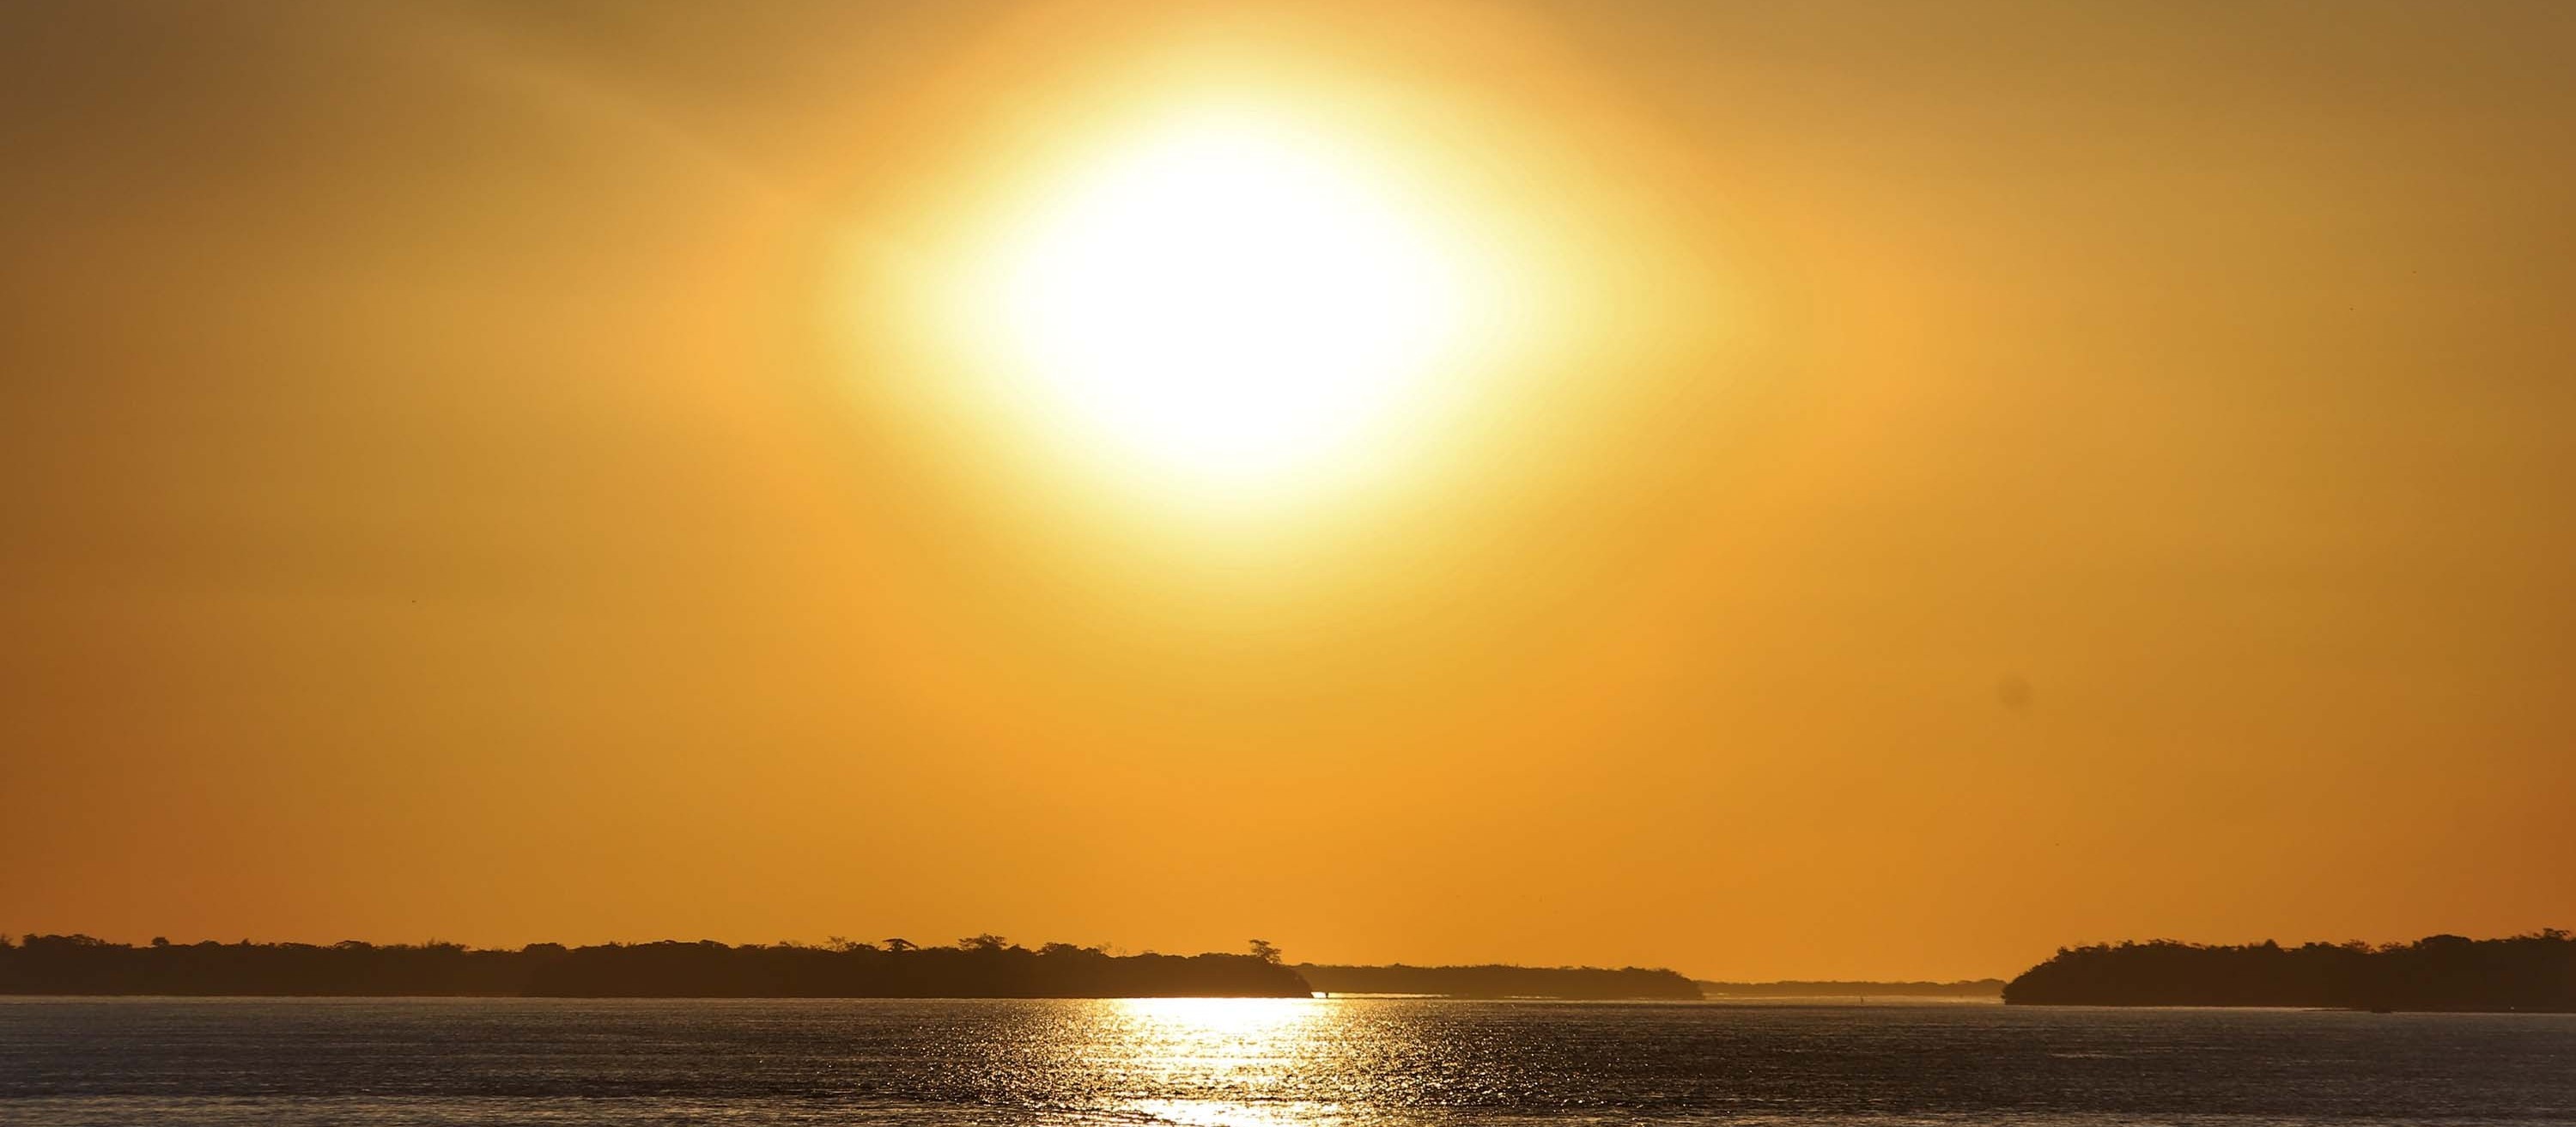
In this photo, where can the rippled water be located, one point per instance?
(1354, 1061)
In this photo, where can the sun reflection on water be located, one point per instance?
(1241, 1056)
(1242, 1020)
(1209, 1062)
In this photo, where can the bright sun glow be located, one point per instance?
(1225, 301)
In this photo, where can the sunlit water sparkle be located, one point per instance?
(1253, 1063)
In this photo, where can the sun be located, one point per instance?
(1225, 301)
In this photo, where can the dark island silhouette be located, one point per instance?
(2535, 972)
(985, 966)
(1984, 989)
(1581, 983)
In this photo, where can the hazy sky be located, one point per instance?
(1997, 476)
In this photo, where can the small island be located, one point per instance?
(1568, 983)
(2535, 973)
(1971, 990)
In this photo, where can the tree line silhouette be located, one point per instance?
(2441, 972)
(1502, 981)
(983, 966)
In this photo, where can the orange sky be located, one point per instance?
(1996, 476)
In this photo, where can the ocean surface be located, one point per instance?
(1260, 1062)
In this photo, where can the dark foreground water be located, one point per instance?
(1359, 1061)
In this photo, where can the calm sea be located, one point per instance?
(1357, 1061)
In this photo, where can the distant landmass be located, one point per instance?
(1582, 983)
(982, 967)
(1965, 988)
(2442, 972)
(985, 966)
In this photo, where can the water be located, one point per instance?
(1258, 1062)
